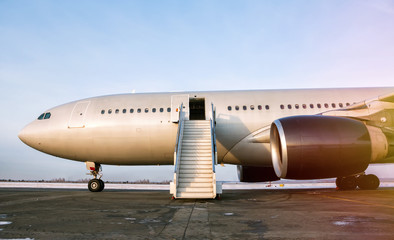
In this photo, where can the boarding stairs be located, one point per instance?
(195, 158)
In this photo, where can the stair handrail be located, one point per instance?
(213, 136)
(179, 137)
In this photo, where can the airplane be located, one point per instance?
(269, 134)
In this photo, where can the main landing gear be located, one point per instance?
(363, 181)
(95, 184)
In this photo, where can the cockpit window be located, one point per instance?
(46, 115)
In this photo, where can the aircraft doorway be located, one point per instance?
(197, 108)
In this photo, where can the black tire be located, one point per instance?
(102, 185)
(347, 183)
(94, 185)
(368, 182)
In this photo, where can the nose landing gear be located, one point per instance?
(95, 184)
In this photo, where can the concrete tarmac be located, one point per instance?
(240, 214)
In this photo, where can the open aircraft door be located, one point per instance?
(176, 101)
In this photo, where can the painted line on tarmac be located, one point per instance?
(357, 201)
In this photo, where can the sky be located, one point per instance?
(53, 52)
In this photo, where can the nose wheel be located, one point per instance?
(95, 184)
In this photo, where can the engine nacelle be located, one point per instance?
(256, 174)
(312, 147)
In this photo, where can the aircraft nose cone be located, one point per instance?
(28, 136)
(22, 135)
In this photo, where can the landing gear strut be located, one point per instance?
(365, 182)
(95, 184)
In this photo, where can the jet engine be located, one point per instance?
(256, 174)
(313, 147)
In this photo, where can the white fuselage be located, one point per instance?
(98, 130)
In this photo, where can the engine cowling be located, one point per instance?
(256, 174)
(312, 147)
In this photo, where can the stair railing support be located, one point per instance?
(177, 150)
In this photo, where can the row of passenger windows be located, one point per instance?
(290, 106)
(131, 110)
(229, 108)
(44, 116)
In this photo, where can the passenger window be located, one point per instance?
(311, 105)
(333, 105)
(244, 107)
(109, 111)
(168, 109)
(131, 110)
(304, 106)
(340, 105)
(154, 110)
(289, 106)
(117, 111)
(102, 111)
(347, 104)
(297, 106)
(161, 110)
(267, 107)
(236, 108)
(41, 116)
(124, 110)
(139, 110)
(229, 108)
(146, 110)
(326, 105)
(259, 107)
(282, 106)
(318, 105)
(251, 107)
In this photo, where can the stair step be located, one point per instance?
(193, 135)
(198, 127)
(197, 151)
(193, 176)
(196, 195)
(195, 185)
(196, 160)
(197, 130)
(196, 170)
(191, 144)
(195, 180)
(202, 122)
(195, 166)
(192, 129)
(194, 154)
(196, 141)
(191, 158)
(196, 147)
(197, 189)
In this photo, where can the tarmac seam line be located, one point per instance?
(188, 221)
